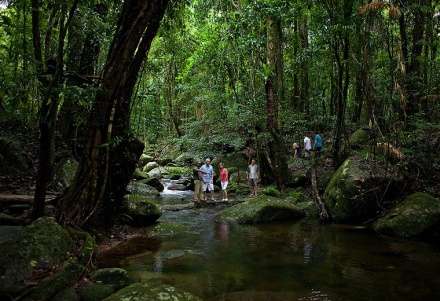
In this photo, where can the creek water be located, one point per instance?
(301, 260)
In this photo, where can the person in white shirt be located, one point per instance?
(253, 175)
(307, 146)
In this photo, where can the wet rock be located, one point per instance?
(152, 292)
(262, 209)
(18, 208)
(43, 243)
(142, 211)
(112, 256)
(9, 233)
(143, 190)
(414, 216)
(353, 192)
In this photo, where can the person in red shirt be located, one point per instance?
(224, 181)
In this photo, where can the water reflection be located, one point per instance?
(285, 261)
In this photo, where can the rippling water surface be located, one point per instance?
(301, 260)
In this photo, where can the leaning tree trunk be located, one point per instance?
(110, 152)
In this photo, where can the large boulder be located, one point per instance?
(416, 215)
(141, 189)
(43, 243)
(144, 159)
(354, 190)
(153, 292)
(262, 209)
(142, 211)
(360, 139)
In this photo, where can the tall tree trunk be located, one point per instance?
(110, 152)
(48, 112)
(276, 151)
(413, 79)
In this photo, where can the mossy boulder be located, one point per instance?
(324, 179)
(152, 292)
(160, 171)
(43, 243)
(144, 159)
(150, 166)
(142, 189)
(142, 211)
(416, 215)
(262, 209)
(360, 139)
(354, 190)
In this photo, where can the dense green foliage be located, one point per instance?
(335, 65)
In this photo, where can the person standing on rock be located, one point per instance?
(253, 175)
(223, 181)
(208, 179)
(198, 180)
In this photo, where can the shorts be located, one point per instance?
(208, 186)
(253, 182)
(224, 185)
(307, 153)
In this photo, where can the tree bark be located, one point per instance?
(111, 152)
(275, 152)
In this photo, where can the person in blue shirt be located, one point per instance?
(317, 144)
(208, 179)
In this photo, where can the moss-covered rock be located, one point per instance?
(360, 139)
(41, 244)
(152, 292)
(161, 171)
(144, 159)
(414, 216)
(324, 179)
(142, 190)
(150, 166)
(262, 209)
(355, 190)
(142, 211)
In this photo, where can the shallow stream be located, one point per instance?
(302, 260)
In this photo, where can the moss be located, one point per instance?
(271, 191)
(262, 209)
(415, 215)
(152, 292)
(360, 139)
(112, 276)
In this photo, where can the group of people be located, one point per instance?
(307, 147)
(203, 176)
